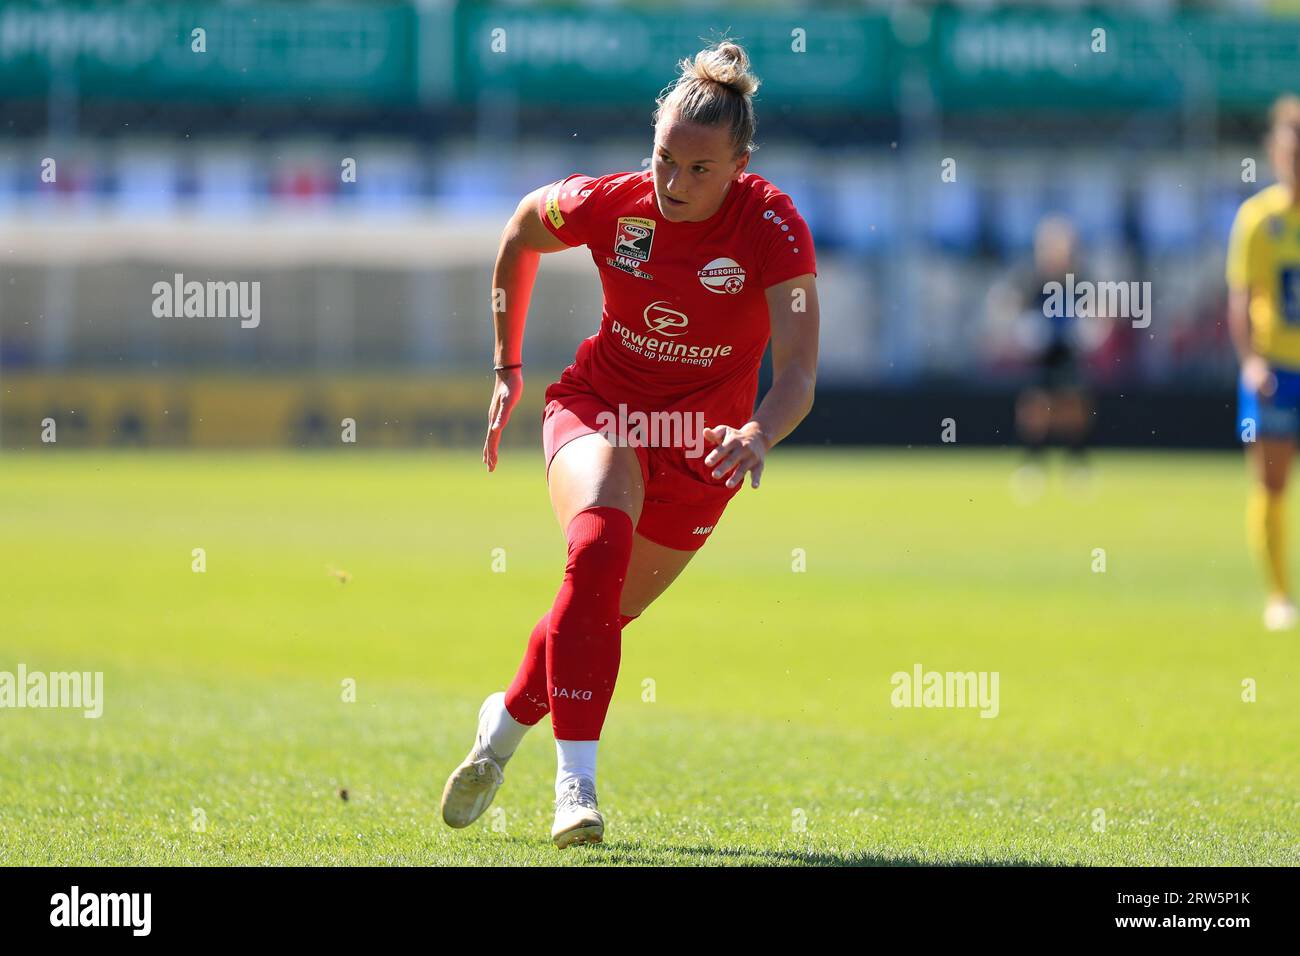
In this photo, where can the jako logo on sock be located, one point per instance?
(571, 694)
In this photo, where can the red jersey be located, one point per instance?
(685, 319)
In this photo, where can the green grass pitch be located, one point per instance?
(1122, 735)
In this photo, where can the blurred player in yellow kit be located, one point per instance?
(1263, 274)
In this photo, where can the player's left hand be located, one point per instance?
(739, 450)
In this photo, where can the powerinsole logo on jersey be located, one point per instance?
(723, 276)
(633, 238)
(666, 324)
(659, 318)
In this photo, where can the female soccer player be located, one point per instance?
(1263, 272)
(700, 262)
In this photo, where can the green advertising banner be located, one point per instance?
(209, 50)
(805, 59)
(1252, 60)
(1093, 61)
(813, 61)
(1010, 59)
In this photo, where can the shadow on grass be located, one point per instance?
(634, 853)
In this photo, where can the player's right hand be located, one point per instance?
(506, 394)
(1259, 378)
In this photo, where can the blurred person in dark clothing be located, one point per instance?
(1047, 327)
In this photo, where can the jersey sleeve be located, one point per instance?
(1245, 261)
(787, 250)
(566, 208)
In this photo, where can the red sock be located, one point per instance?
(583, 641)
(526, 698)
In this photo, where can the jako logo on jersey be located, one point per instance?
(659, 318)
(633, 237)
(722, 276)
(703, 529)
(571, 694)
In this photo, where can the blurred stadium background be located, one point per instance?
(228, 165)
(207, 586)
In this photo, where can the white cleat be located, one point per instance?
(576, 818)
(473, 784)
(1280, 614)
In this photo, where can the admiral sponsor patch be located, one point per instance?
(633, 237)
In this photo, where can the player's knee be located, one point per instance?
(600, 545)
(629, 609)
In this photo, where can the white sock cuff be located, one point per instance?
(575, 758)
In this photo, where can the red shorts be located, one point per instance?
(681, 508)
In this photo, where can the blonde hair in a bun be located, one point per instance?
(715, 88)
